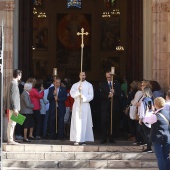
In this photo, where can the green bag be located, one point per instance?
(18, 119)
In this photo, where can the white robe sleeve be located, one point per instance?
(89, 96)
(74, 92)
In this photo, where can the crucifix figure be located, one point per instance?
(82, 33)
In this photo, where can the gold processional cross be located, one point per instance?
(82, 33)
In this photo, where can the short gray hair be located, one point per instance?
(27, 86)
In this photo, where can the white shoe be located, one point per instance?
(76, 143)
(13, 143)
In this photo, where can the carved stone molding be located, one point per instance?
(161, 7)
(168, 6)
(156, 7)
(9, 6)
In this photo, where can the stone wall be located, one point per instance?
(161, 42)
(6, 15)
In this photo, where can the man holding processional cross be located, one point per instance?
(110, 93)
(82, 92)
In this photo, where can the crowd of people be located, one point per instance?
(37, 102)
(49, 111)
(149, 119)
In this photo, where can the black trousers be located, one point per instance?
(38, 122)
(146, 131)
(106, 123)
(132, 127)
(60, 121)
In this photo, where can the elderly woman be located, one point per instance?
(160, 133)
(26, 110)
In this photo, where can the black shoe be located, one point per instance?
(111, 141)
(31, 138)
(83, 143)
(136, 143)
(143, 144)
(103, 141)
(26, 140)
(61, 138)
(147, 151)
(52, 138)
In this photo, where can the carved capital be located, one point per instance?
(156, 7)
(161, 7)
(9, 5)
(168, 6)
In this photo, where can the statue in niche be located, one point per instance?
(109, 3)
(37, 2)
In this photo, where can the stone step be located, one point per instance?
(77, 156)
(112, 164)
(11, 168)
(69, 148)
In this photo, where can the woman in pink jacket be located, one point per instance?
(36, 94)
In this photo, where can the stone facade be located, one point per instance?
(160, 45)
(161, 42)
(6, 15)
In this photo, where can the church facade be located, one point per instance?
(156, 40)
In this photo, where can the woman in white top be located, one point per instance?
(134, 102)
(140, 131)
(147, 103)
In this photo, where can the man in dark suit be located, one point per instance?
(57, 96)
(107, 93)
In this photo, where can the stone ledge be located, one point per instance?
(81, 164)
(77, 156)
(132, 164)
(73, 169)
(69, 148)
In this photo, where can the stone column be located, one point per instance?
(6, 14)
(16, 34)
(147, 40)
(161, 42)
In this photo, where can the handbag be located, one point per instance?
(137, 117)
(133, 112)
(166, 120)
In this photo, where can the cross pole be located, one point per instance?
(82, 33)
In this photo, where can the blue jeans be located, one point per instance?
(162, 155)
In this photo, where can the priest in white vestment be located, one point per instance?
(81, 121)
